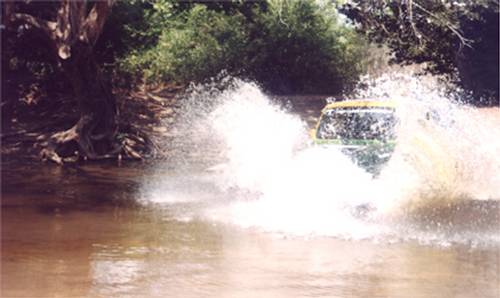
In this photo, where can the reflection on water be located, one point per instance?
(80, 232)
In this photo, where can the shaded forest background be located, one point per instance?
(147, 51)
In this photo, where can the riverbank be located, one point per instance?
(28, 123)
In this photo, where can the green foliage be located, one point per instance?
(196, 44)
(300, 46)
(287, 46)
(458, 38)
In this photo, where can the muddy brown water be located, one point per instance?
(83, 232)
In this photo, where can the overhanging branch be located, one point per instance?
(45, 26)
(463, 41)
(417, 32)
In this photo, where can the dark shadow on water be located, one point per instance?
(51, 188)
(461, 220)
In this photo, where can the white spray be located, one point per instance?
(261, 159)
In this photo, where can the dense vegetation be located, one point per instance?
(455, 38)
(287, 46)
(86, 50)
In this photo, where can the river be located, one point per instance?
(82, 232)
(244, 208)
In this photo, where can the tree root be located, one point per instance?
(73, 145)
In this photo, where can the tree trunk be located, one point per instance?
(96, 130)
(72, 37)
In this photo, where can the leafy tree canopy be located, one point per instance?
(287, 46)
(458, 38)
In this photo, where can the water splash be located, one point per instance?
(256, 156)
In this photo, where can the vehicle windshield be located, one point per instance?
(358, 123)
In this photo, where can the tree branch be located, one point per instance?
(417, 32)
(45, 26)
(64, 30)
(70, 17)
(463, 41)
(93, 24)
